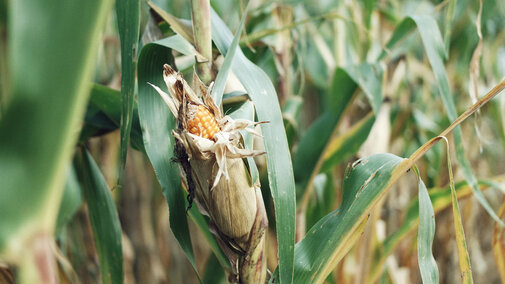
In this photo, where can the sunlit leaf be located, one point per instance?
(365, 182)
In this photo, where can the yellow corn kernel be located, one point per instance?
(203, 123)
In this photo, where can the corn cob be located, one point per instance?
(203, 123)
(209, 150)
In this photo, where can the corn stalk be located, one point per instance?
(200, 14)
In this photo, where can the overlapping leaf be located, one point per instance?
(280, 171)
(157, 122)
(436, 53)
(128, 19)
(104, 218)
(49, 85)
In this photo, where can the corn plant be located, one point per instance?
(296, 142)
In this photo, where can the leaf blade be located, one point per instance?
(156, 122)
(128, 21)
(280, 170)
(43, 111)
(435, 51)
(365, 182)
(104, 218)
(426, 233)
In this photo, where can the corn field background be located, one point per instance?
(375, 141)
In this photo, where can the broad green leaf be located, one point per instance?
(128, 21)
(426, 233)
(365, 182)
(222, 76)
(70, 202)
(104, 115)
(49, 86)
(108, 101)
(435, 51)
(103, 216)
(369, 78)
(157, 123)
(280, 171)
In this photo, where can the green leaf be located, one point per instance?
(401, 31)
(323, 201)
(291, 114)
(153, 111)
(435, 50)
(369, 78)
(280, 171)
(157, 122)
(180, 26)
(441, 199)
(449, 18)
(103, 216)
(128, 21)
(427, 264)
(312, 146)
(51, 59)
(104, 115)
(222, 76)
(70, 202)
(203, 224)
(346, 145)
(213, 272)
(365, 182)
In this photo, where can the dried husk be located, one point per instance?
(217, 174)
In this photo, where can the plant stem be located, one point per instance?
(200, 13)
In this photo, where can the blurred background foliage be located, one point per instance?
(304, 46)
